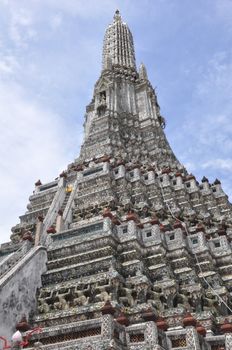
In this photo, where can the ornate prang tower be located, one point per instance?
(125, 249)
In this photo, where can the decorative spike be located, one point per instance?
(217, 182)
(204, 179)
(143, 72)
(117, 16)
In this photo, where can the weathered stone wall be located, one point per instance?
(18, 289)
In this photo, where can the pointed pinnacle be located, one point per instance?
(117, 16)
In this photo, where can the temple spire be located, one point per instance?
(118, 44)
(143, 72)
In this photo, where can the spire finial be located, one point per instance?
(117, 16)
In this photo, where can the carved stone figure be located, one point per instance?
(182, 299)
(81, 299)
(103, 296)
(43, 307)
(62, 304)
(210, 303)
(169, 295)
(196, 302)
(128, 298)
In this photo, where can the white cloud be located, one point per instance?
(190, 166)
(56, 21)
(224, 12)
(21, 22)
(8, 65)
(216, 82)
(82, 8)
(207, 128)
(5, 67)
(212, 97)
(23, 10)
(223, 164)
(33, 144)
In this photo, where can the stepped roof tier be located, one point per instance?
(125, 249)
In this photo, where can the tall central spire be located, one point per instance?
(118, 47)
(123, 117)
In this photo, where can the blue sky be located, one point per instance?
(51, 57)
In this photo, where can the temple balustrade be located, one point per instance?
(12, 259)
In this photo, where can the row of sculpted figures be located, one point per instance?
(130, 295)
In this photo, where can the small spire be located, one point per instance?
(204, 179)
(117, 16)
(143, 72)
(217, 182)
